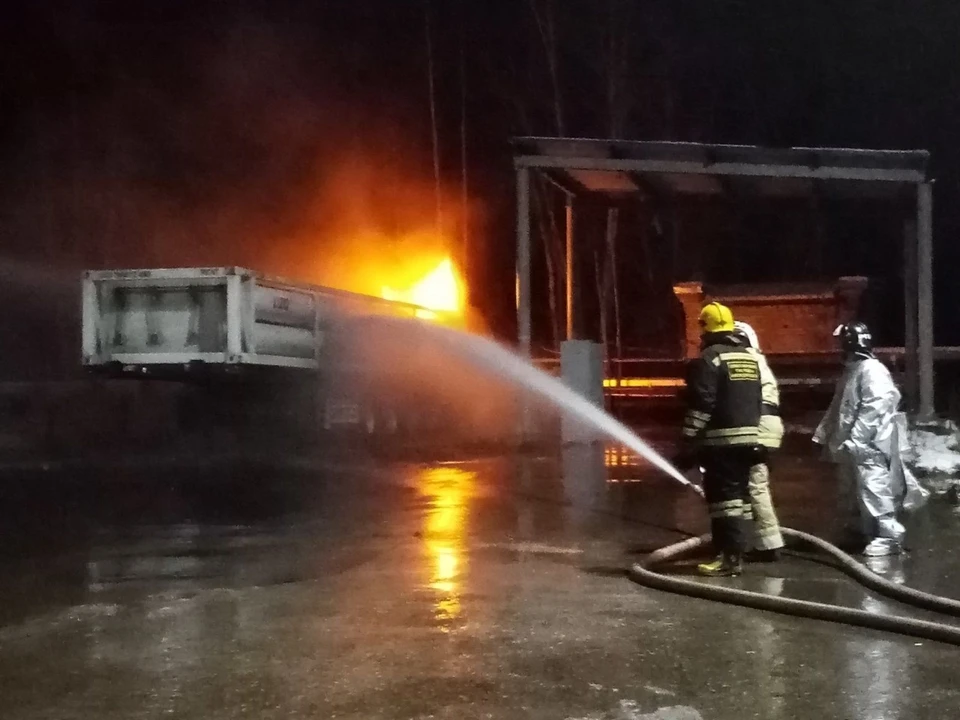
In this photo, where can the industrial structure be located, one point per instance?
(601, 170)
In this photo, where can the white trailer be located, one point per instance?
(224, 316)
(187, 323)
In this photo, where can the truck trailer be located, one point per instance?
(162, 320)
(224, 328)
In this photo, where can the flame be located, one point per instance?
(440, 290)
(371, 226)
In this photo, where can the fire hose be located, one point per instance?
(644, 573)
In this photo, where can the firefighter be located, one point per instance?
(864, 433)
(767, 539)
(720, 432)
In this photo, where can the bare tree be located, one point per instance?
(545, 17)
(609, 43)
(464, 184)
(546, 20)
(617, 61)
(433, 116)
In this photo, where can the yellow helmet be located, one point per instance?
(715, 318)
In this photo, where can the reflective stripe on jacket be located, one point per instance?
(723, 395)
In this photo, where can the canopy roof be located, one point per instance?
(622, 167)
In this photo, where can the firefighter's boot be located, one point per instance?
(725, 565)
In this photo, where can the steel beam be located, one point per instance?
(565, 183)
(911, 374)
(571, 332)
(524, 335)
(523, 262)
(744, 169)
(925, 297)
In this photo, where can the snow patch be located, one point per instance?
(934, 449)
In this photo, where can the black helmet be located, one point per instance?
(855, 339)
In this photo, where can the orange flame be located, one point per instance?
(440, 290)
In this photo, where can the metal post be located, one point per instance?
(91, 321)
(523, 290)
(523, 262)
(911, 370)
(570, 331)
(925, 297)
(234, 319)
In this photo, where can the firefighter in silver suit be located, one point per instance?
(865, 435)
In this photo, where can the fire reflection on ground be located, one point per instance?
(626, 466)
(447, 489)
(623, 465)
(619, 456)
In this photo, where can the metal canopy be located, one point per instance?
(852, 164)
(616, 169)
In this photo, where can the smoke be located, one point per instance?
(222, 140)
(250, 144)
(372, 220)
(429, 375)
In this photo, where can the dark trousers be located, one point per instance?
(726, 485)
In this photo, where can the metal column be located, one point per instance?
(523, 262)
(234, 318)
(523, 290)
(925, 297)
(569, 278)
(911, 370)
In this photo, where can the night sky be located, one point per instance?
(183, 133)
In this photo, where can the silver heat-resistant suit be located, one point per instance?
(865, 434)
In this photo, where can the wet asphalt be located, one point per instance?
(490, 588)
